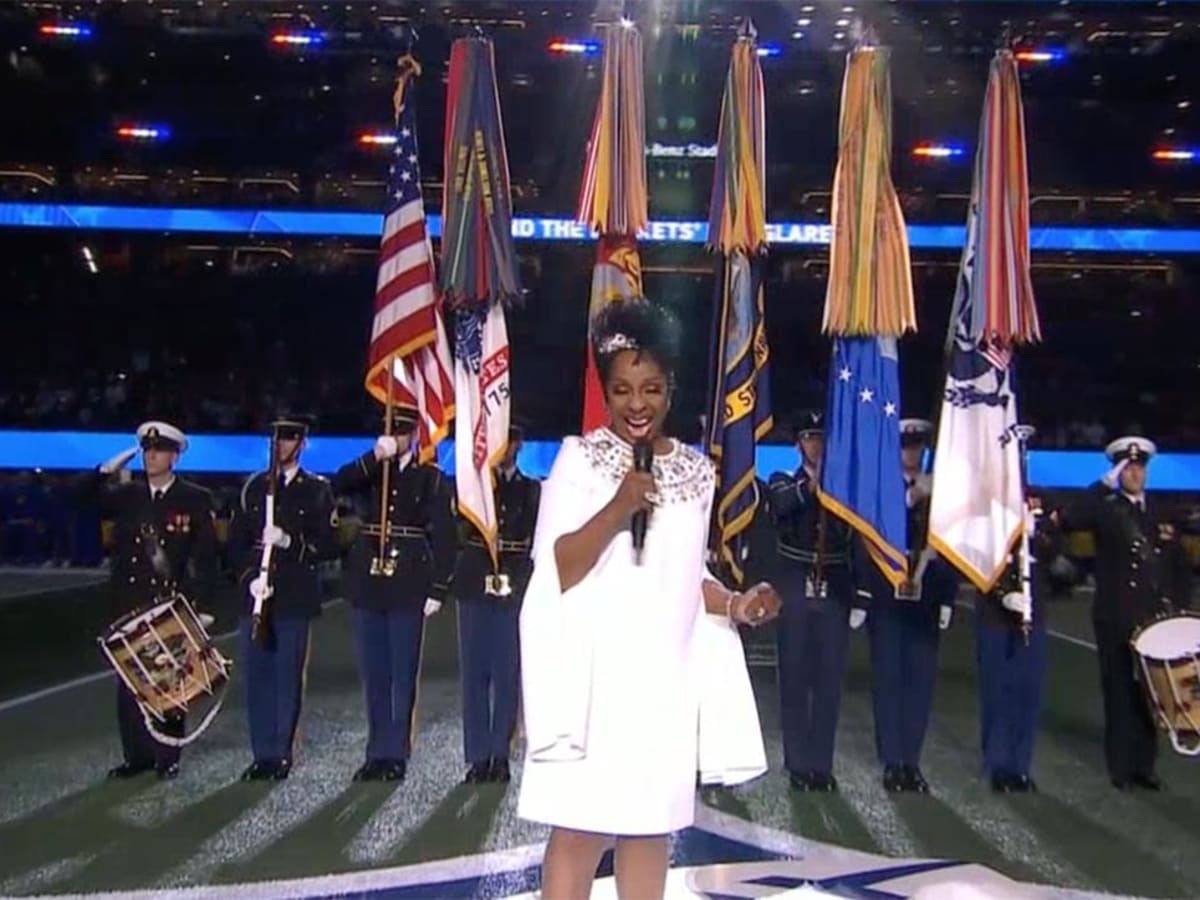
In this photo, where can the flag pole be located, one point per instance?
(381, 565)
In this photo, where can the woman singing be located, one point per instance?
(619, 648)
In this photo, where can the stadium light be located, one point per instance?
(297, 38)
(1042, 55)
(376, 139)
(938, 151)
(1175, 154)
(69, 30)
(137, 132)
(562, 46)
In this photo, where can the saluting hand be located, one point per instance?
(386, 447)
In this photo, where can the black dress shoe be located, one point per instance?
(478, 773)
(914, 781)
(822, 782)
(259, 770)
(800, 781)
(1023, 784)
(371, 770)
(1147, 782)
(394, 770)
(499, 772)
(128, 770)
(167, 773)
(1122, 784)
(1003, 783)
(281, 769)
(894, 780)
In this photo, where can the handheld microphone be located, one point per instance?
(643, 458)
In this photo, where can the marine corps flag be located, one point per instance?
(408, 359)
(479, 275)
(868, 305)
(740, 412)
(977, 509)
(613, 197)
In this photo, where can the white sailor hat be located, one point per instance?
(1026, 433)
(915, 430)
(1131, 448)
(161, 436)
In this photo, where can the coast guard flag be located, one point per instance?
(861, 478)
(975, 512)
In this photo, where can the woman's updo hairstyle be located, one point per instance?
(639, 325)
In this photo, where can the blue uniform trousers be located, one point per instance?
(812, 636)
(389, 656)
(904, 649)
(1011, 676)
(275, 685)
(489, 657)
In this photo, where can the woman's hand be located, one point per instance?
(756, 606)
(636, 493)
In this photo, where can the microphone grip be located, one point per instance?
(643, 458)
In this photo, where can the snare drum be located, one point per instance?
(167, 660)
(1168, 658)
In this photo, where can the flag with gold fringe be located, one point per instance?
(740, 414)
(976, 512)
(868, 305)
(479, 275)
(408, 359)
(612, 199)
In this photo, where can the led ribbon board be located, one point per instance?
(294, 223)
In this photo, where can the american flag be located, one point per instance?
(407, 333)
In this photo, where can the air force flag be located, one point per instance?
(861, 478)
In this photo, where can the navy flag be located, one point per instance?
(741, 406)
(862, 481)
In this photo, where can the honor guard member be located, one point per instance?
(393, 582)
(1141, 572)
(815, 582)
(1011, 650)
(164, 538)
(489, 604)
(903, 627)
(303, 534)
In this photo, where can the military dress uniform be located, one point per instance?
(163, 538)
(1141, 572)
(489, 606)
(389, 609)
(275, 665)
(1011, 660)
(904, 635)
(813, 573)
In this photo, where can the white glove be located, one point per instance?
(919, 491)
(432, 606)
(857, 618)
(259, 589)
(206, 620)
(1017, 602)
(1113, 475)
(945, 616)
(120, 461)
(386, 447)
(276, 537)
